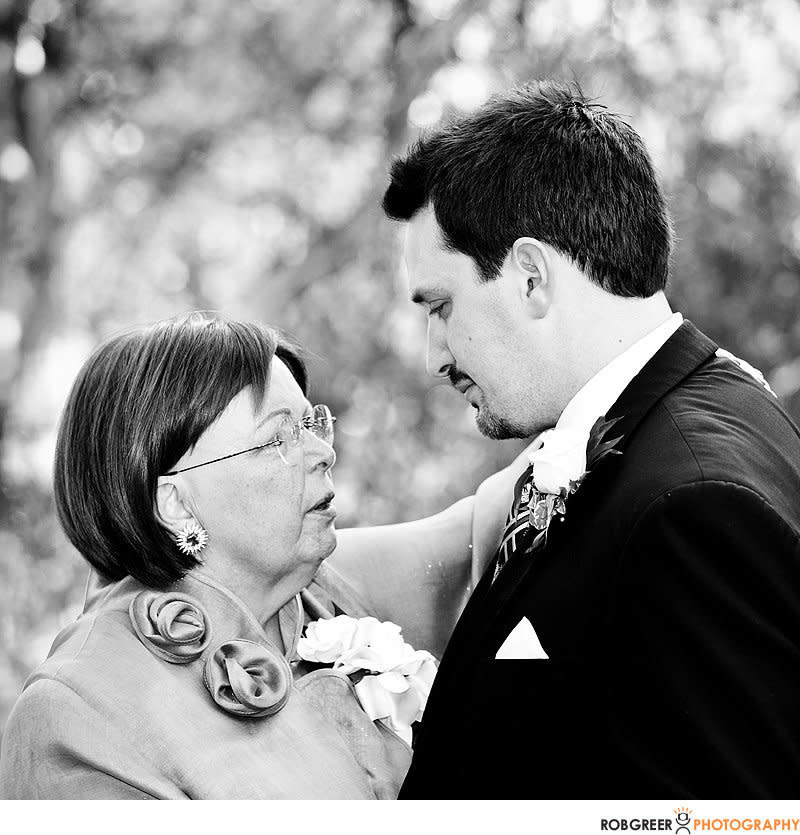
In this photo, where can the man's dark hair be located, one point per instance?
(542, 161)
(141, 401)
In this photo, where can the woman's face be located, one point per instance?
(269, 510)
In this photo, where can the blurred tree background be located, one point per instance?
(162, 156)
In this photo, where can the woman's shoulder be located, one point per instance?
(81, 720)
(80, 665)
(96, 667)
(85, 652)
(65, 739)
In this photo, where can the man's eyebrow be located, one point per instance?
(419, 296)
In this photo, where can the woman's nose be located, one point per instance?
(318, 452)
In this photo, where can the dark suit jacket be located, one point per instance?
(668, 601)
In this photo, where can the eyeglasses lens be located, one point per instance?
(322, 423)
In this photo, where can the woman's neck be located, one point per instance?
(263, 595)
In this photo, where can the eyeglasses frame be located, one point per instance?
(297, 434)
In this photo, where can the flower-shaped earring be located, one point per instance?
(192, 539)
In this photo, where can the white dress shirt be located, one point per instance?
(603, 390)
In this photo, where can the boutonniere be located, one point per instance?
(392, 680)
(560, 466)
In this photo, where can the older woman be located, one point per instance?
(194, 476)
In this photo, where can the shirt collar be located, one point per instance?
(600, 393)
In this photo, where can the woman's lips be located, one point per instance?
(325, 506)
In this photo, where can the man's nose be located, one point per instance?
(439, 358)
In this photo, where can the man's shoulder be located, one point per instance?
(730, 423)
(718, 425)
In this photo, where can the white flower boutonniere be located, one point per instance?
(392, 680)
(561, 464)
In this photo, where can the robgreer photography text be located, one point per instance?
(700, 825)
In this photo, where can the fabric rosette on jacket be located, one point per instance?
(246, 678)
(171, 625)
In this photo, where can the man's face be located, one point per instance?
(475, 330)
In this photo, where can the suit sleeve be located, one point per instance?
(56, 747)
(706, 647)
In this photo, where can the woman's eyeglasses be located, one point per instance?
(290, 432)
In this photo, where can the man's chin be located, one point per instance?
(495, 427)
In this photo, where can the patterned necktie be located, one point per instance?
(517, 533)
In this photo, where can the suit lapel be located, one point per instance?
(685, 351)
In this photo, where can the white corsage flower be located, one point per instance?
(325, 640)
(560, 462)
(397, 678)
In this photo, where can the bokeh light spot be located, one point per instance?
(15, 164)
(44, 11)
(425, 110)
(127, 140)
(29, 58)
(10, 330)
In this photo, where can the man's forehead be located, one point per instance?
(431, 266)
(423, 236)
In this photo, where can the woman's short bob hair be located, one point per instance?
(140, 402)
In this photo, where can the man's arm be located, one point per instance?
(416, 574)
(420, 574)
(704, 665)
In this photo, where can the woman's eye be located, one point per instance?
(283, 434)
(437, 309)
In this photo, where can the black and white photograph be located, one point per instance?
(399, 399)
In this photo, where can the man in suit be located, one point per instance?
(637, 633)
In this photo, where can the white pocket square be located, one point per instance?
(522, 642)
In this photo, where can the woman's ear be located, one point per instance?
(171, 510)
(533, 270)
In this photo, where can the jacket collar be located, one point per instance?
(229, 617)
(600, 393)
(681, 355)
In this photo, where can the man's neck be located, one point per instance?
(606, 331)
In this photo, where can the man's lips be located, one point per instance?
(463, 385)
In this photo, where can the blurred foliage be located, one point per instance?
(157, 157)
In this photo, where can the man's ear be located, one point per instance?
(533, 270)
(171, 509)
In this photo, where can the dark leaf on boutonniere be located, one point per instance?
(539, 541)
(598, 447)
